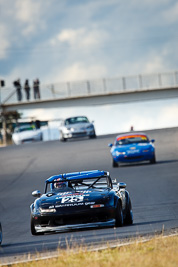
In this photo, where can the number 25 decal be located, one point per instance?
(72, 199)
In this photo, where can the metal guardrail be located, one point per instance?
(66, 90)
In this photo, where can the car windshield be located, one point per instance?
(80, 184)
(126, 140)
(76, 120)
(29, 128)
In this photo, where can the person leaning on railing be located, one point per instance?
(18, 89)
(36, 89)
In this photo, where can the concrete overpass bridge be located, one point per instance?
(96, 92)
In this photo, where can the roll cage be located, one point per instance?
(92, 179)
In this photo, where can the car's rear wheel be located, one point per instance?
(119, 215)
(41, 137)
(129, 215)
(114, 164)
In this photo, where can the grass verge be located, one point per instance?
(159, 251)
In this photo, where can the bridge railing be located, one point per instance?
(105, 86)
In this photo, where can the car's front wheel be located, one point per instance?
(33, 231)
(114, 164)
(129, 215)
(153, 160)
(62, 139)
(119, 215)
(92, 135)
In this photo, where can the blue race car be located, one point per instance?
(80, 200)
(132, 147)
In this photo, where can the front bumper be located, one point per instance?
(28, 140)
(134, 157)
(64, 228)
(74, 219)
(78, 134)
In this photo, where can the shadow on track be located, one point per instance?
(136, 164)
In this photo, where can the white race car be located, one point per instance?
(78, 126)
(27, 133)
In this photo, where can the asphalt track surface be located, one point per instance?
(153, 189)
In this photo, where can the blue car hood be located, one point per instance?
(48, 200)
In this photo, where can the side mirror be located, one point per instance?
(121, 185)
(110, 145)
(114, 181)
(36, 193)
(152, 140)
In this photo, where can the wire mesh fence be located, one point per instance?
(65, 90)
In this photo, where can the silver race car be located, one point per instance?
(74, 127)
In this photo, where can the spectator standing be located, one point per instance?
(18, 87)
(36, 89)
(27, 89)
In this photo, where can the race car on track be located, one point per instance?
(26, 134)
(74, 127)
(80, 200)
(132, 147)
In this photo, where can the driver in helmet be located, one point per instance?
(60, 185)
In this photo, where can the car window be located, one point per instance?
(95, 183)
(77, 185)
(27, 129)
(22, 129)
(76, 120)
(125, 140)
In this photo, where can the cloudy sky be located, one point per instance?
(67, 40)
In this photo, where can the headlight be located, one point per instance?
(37, 210)
(47, 210)
(66, 130)
(120, 153)
(90, 127)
